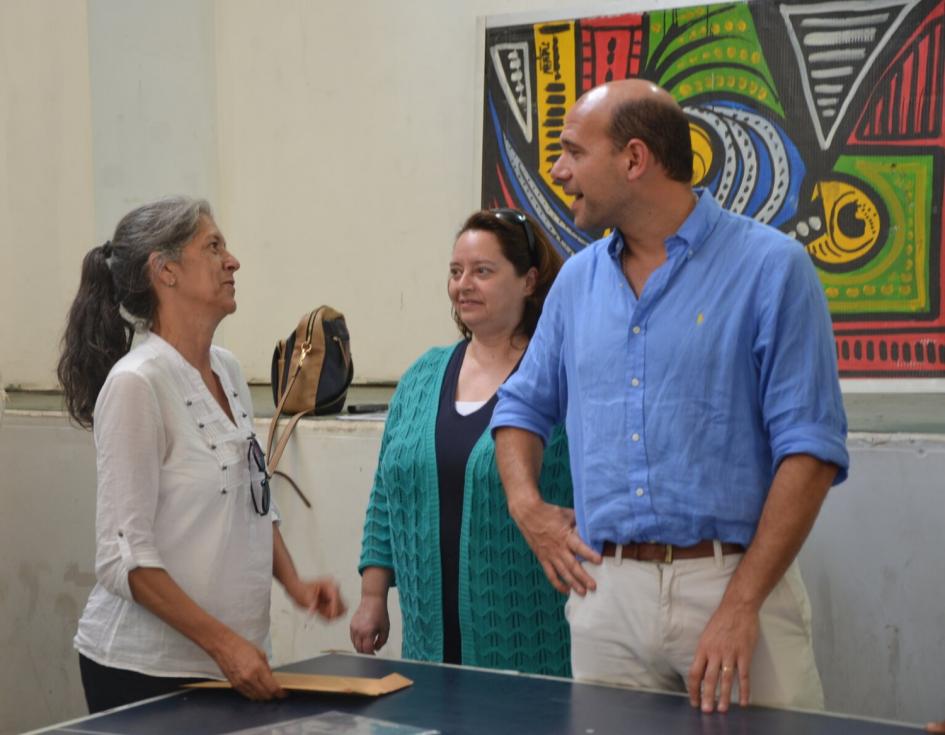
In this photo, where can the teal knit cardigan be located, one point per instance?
(510, 617)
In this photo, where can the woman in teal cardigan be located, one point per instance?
(437, 525)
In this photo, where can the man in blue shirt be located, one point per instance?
(691, 356)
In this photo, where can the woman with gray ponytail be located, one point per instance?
(187, 539)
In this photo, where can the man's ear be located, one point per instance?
(637, 158)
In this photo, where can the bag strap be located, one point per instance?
(304, 349)
(295, 487)
(282, 443)
(271, 460)
(274, 455)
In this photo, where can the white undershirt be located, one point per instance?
(464, 408)
(173, 493)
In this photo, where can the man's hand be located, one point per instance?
(935, 726)
(725, 648)
(370, 624)
(246, 668)
(550, 532)
(320, 596)
(548, 529)
(729, 638)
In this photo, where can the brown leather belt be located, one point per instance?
(666, 553)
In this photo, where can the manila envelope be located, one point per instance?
(323, 683)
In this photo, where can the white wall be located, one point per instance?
(874, 571)
(873, 564)
(47, 545)
(47, 548)
(336, 140)
(46, 197)
(153, 97)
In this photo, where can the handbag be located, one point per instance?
(311, 372)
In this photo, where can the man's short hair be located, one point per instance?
(663, 127)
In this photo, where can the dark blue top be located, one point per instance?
(455, 437)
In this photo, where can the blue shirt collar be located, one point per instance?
(691, 235)
(700, 222)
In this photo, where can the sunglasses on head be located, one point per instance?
(514, 217)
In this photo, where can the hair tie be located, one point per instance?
(107, 249)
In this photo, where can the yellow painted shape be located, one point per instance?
(900, 237)
(701, 152)
(554, 78)
(700, 318)
(835, 246)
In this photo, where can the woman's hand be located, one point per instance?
(316, 595)
(244, 665)
(370, 624)
(246, 668)
(320, 596)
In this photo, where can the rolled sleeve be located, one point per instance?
(533, 398)
(800, 390)
(129, 440)
(815, 440)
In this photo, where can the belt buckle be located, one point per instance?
(668, 557)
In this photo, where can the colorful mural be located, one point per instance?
(823, 119)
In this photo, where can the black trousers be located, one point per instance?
(106, 687)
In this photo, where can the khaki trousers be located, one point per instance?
(643, 623)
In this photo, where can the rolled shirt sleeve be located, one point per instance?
(130, 442)
(801, 402)
(534, 398)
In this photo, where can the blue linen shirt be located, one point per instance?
(680, 405)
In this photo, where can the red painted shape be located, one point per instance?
(613, 45)
(903, 122)
(892, 95)
(901, 355)
(509, 201)
(908, 71)
(935, 100)
(923, 60)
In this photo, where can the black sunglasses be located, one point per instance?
(513, 216)
(257, 456)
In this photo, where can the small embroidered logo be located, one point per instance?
(700, 318)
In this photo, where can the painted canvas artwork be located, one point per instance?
(823, 119)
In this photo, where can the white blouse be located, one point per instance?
(174, 493)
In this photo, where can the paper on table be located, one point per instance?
(335, 723)
(324, 683)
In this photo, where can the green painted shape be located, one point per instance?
(722, 35)
(905, 184)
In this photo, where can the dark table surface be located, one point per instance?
(460, 701)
